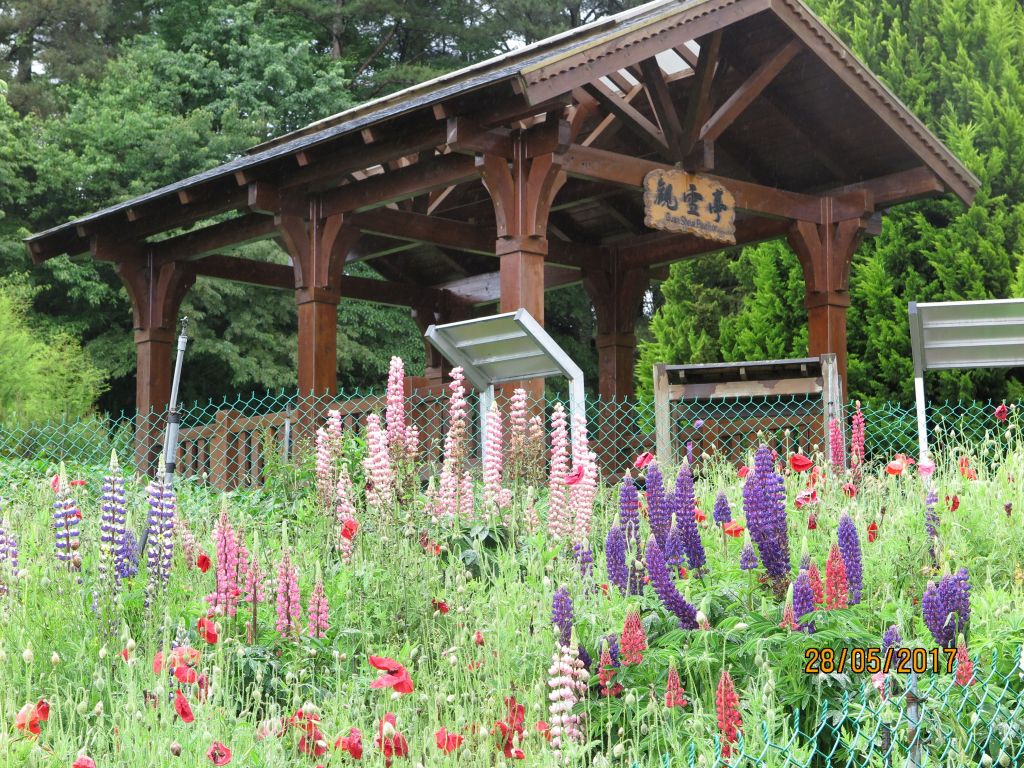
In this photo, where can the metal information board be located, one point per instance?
(963, 334)
(507, 347)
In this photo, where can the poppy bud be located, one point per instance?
(98, 709)
(76, 561)
(27, 656)
(82, 707)
(54, 659)
(175, 748)
(103, 652)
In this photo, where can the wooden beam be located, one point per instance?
(751, 88)
(486, 288)
(639, 125)
(378, 191)
(898, 187)
(602, 165)
(422, 228)
(664, 107)
(665, 247)
(468, 137)
(698, 103)
(234, 232)
(610, 124)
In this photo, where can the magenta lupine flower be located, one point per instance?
(849, 547)
(253, 583)
(377, 464)
(891, 638)
(562, 614)
(946, 607)
(226, 548)
(665, 587)
(317, 611)
(394, 413)
(493, 462)
(836, 444)
(857, 438)
(629, 509)
(450, 484)
(686, 508)
(615, 559)
(289, 609)
(559, 525)
(803, 602)
(659, 510)
(764, 501)
(722, 512)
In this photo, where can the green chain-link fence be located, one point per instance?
(226, 442)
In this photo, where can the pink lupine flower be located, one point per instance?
(345, 514)
(583, 492)
(188, 541)
(558, 491)
(492, 462)
(380, 489)
(289, 609)
(633, 641)
(254, 588)
(568, 679)
(316, 613)
(857, 439)
(964, 665)
(727, 706)
(395, 411)
(447, 503)
(228, 553)
(467, 509)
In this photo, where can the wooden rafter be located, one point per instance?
(698, 104)
(663, 106)
(631, 117)
(486, 288)
(233, 232)
(665, 247)
(748, 91)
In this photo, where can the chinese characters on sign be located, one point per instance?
(685, 202)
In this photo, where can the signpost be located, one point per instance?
(686, 202)
(962, 334)
(507, 347)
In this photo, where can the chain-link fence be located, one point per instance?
(229, 442)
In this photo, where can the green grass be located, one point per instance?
(500, 581)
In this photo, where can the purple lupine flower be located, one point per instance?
(764, 501)
(629, 509)
(585, 657)
(65, 526)
(612, 641)
(803, 602)
(946, 607)
(722, 513)
(112, 525)
(891, 638)
(561, 614)
(748, 559)
(931, 519)
(686, 508)
(665, 587)
(127, 562)
(8, 547)
(659, 509)
(675, 547)
(849, 547)
(615, 558)
(636, 572)
(689, 452)
(584, 556)
(160, 539)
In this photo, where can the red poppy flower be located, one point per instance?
(353, 743)
(182, 707)
(440, 605)
(203, 562)
(805, 498)
(511, 728)
(474, 665)
(872, 531)
(305, 723)
(699, 516)
(478, 637)
(349, 529)
(575, 476)
(181, 655)
(31, 715)
(84, 761)
(965, 469)
(207, 630)
(1002, 412)
(389, 740)
(78, 483)
(447, 742)
(186, 675)
(125, 654)
(643, 460)
(313, 744)
(219, 754)
(55, 483)
(812, 521)
(542, 727)
(850, 489)
(800, 463)
(817, 473)
(743, 471)
(900, 463)
(397, 676)
(953, 502)
(732, 528)
(682, 575)
(204, 687)
(604, 588)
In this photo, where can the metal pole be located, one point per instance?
(914, 700)
(173, 415)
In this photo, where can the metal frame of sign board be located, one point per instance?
(962, 334)
(507, 347)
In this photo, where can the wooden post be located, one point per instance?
(616, 295)
(662, 416)
(156, 291)
(522, 188)
(825, 252)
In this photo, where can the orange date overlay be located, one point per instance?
(827, 661)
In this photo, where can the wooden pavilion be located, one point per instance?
(523, 174)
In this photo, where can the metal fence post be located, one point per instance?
(914, 719)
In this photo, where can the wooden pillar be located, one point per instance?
(156, 291)
(318, 246)
(825, 252)
(616, 294)
(522, 188)
(449, 311)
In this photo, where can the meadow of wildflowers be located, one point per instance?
(363, 607)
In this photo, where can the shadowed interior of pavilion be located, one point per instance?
(522, 174)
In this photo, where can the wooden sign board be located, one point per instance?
(686, 202)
